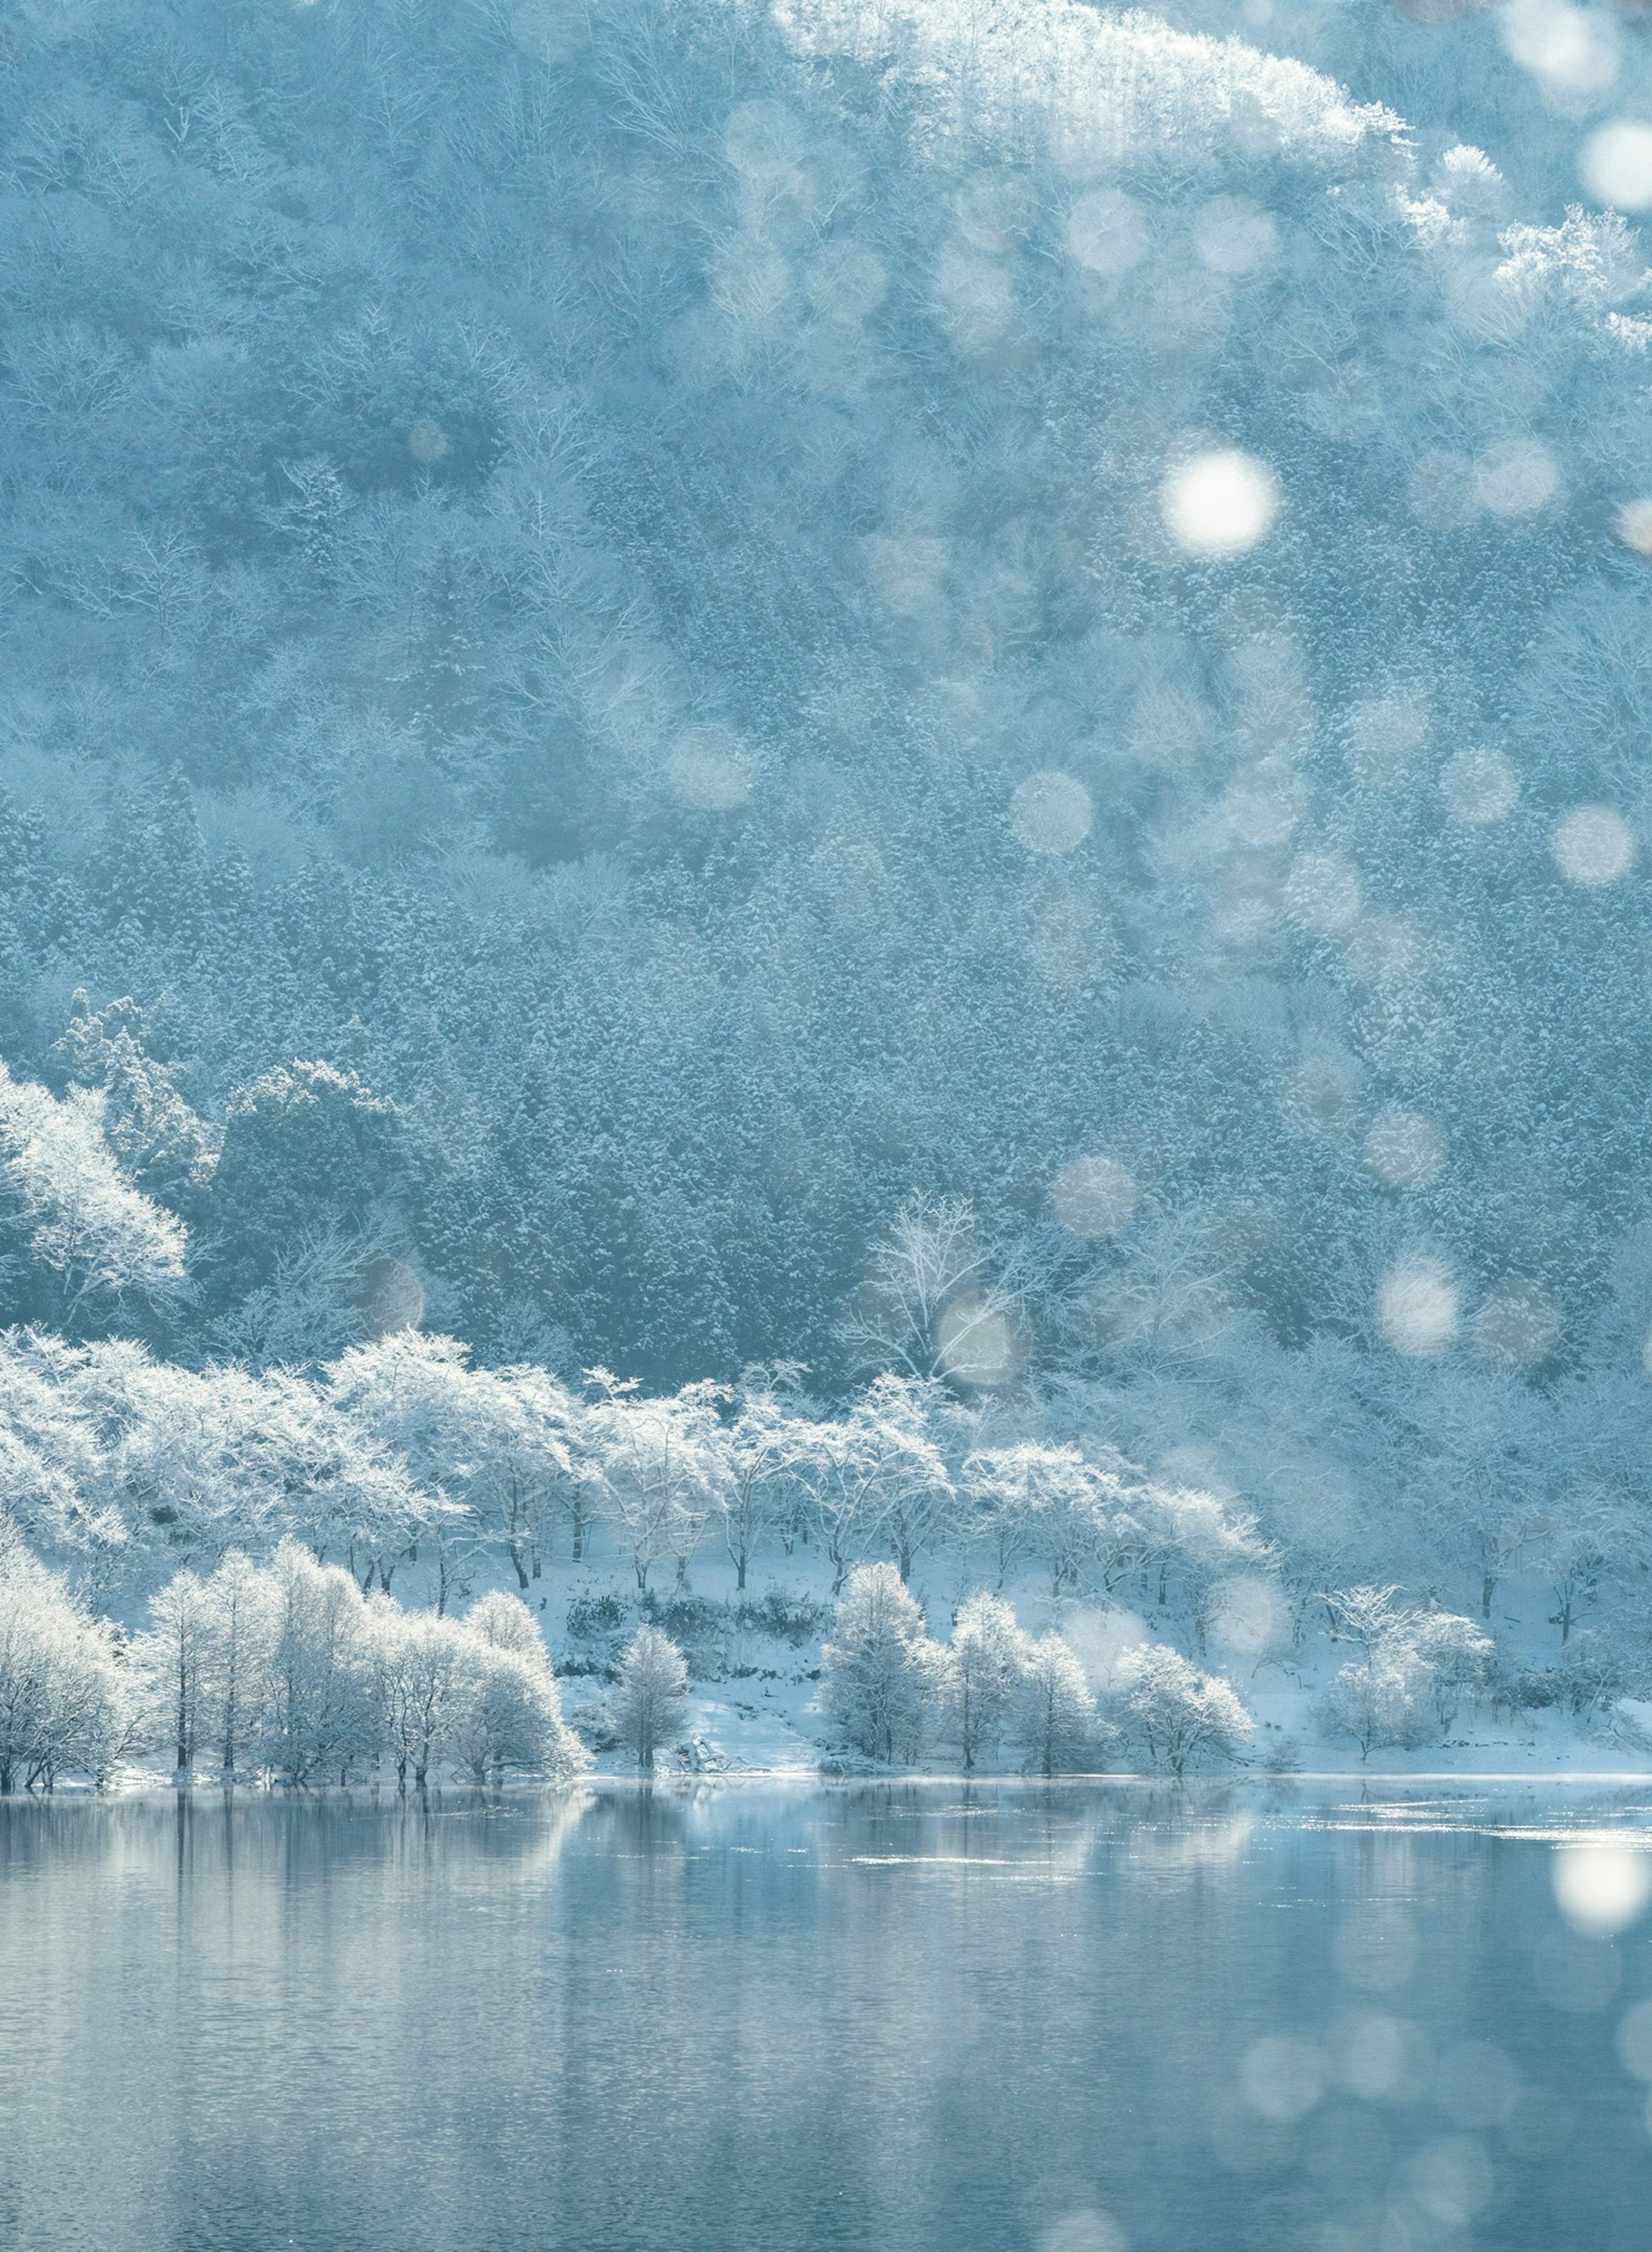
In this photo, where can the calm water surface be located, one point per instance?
(758, 2019)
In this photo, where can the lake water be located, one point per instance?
(762, 2020)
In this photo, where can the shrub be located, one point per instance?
(782, 1614)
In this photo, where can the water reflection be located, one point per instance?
(892, 2016)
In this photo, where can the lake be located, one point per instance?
(768, 2020)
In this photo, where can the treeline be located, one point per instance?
(403, 1457)
(283, 1672)
(409, 1464)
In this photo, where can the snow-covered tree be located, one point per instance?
(986, 1659)
(935, 1302)
(650, 1695)
(63, 1705)
(174, 1655)
(317, 1716)
(82, 1245)
(509, 1712)
(1414, 1669)
(1381, 1699)
(1052, 1714)
(1178, 1716)
(242, 1611)
(768, 1451)
(662, 1465)
(418, 1667)
(882, 1678)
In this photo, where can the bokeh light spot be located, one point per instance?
(710, 769)
(1517, 1323)
(1323, 894)
(1052, 812)
(1602, 1888)
(1634, 2040)
(1219, 503)
(1107, 232)
(1404, 1147)
(1083, 2231)
(1616, 167)
(1234, 235)
(978, 1346)
(1574, 52)
(1094, 1197)
(1517, 478)
(1246, 1615)
(1594, 845)
(1417, 1306)
(1282, 2078)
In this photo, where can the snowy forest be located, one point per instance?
(840, 805)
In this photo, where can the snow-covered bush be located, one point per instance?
(63, 1707)
(882, 1678)
(648, 1701)
(1176, 1715)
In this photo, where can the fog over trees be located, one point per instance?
(836, 783)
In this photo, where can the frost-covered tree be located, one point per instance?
(242, 1614)
(174, 1655)
(650, 1695)
(318, 1715)
(935, 1302)
(882, 1678)
(986, 1657)
(1414, 1669)
(663, 1467)
(418, 1664)
(767, 1453)
(1382, 1699)
(1053, 1719)
(63, 1704)
(79, 1244)
(878, 1475)
(1176, 1714)
(509, 1712)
